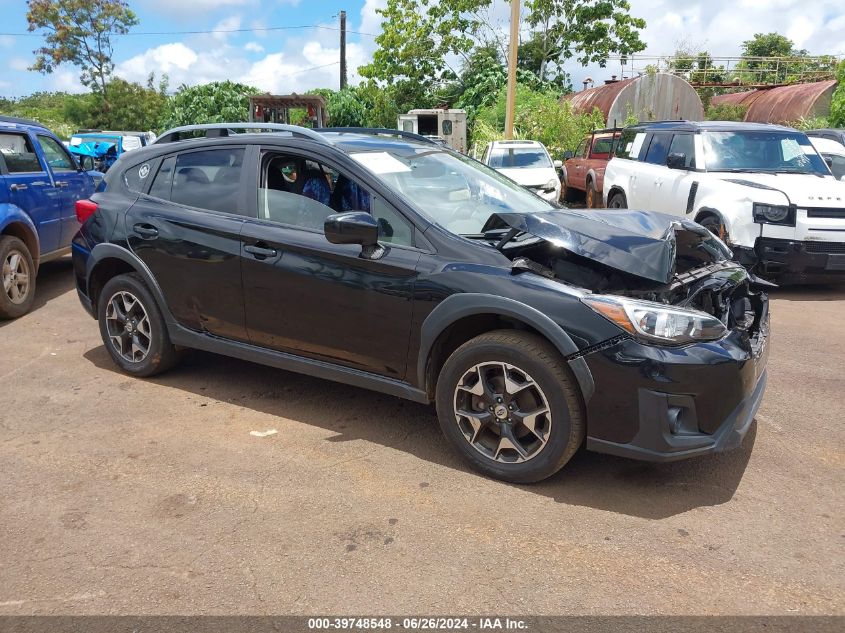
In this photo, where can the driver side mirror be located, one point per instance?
(354, 227)
(676, 160)
(568, 154)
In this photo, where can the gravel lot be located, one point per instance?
(121, 495)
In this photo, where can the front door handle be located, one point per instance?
(146, 231)
(61, 183)
(260, 250)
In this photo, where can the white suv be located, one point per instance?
(763, 188)
(528, 163)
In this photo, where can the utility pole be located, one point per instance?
(342, 50)
(511, 99)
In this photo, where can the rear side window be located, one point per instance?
(56, 155)
(603, 146)
(658, 150)
(18, 154)
(164, 179)
(209, 179)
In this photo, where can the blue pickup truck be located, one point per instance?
(40, 183)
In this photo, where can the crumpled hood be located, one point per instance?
(640, 243)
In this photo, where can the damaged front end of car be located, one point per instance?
(629, 261)
(692, 322)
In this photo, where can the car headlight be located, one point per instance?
(773, 213)
(656, 322)
(551, 185)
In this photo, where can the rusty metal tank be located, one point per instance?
(784, 104)
(649, 97)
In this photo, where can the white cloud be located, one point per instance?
(65, 80)
(174, 59)
(18, 63)
(6, 41)
(232, 23)
(253, 47)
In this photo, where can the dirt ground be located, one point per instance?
(120, 495)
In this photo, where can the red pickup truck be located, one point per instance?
(583, 171)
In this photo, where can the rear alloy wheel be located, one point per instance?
(617, 201)
(17, 272)
(132, 327)
(509, 406)
(593, 197)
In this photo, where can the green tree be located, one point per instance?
(79, 32)
(837, 102)
(133, 106)
(420, 40)
(587, 31)
(216, 102)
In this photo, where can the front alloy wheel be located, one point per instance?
(502, 412)
(128, 326)
(16, 276)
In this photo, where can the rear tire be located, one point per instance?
(593, 197)
(17, 273)
(132, 328)
(617, 200)
(525, 415)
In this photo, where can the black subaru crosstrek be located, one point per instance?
(379, 259)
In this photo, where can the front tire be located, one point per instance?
(17, 272)
(509, 406)
(713, 224)
(617, 200)
(132, 328)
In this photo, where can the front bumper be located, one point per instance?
(790, 261)
(665, 404)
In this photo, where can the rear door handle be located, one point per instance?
(61, 183)
(146, 231)
(17, 187)
(260, 252)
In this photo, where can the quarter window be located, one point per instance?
(303, 193)
(57, 157)
(18, 154)
(208, 179)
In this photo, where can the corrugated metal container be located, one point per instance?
(651, 97)
(785, 104)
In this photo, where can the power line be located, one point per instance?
(212, 31)
(305, 70)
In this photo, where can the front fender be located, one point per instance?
(456, 307)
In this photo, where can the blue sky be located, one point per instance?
(296, 60)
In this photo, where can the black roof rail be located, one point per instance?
(213, 130)
(383, 131)
(13, 119)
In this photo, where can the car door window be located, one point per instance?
(582, 149)
(208, 179)
(658, 150)
(56, 156)
(299, 192)
(837, 164)
(18, 154)
(164, 179)
(684, 144)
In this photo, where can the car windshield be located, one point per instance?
(453, 191)
(772, 151)
(520, 157)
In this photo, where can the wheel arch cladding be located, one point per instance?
(703, 212)
(26, 233)
(109, 260)
(462, 317)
